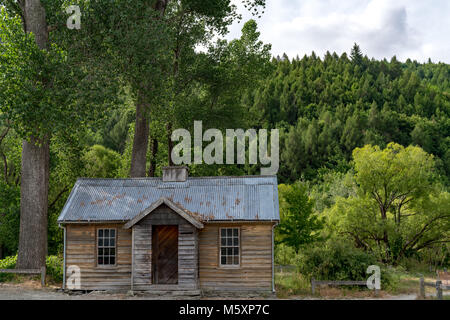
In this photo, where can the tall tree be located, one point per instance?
(35, 162)
(44, 91)
(188, 23)
(356, 55)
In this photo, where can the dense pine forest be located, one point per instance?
(364, 143)
(330, 105)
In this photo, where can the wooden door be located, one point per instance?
(165, 254)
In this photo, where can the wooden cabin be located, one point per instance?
(171, 233)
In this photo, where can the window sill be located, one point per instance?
(229, 267)
(106, 266)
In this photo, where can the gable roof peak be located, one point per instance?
(177, 208)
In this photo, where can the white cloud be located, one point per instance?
(413, 29)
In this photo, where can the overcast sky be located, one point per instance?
(416, 29)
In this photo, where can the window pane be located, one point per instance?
(106, 252)
(229, 241)
(235, 241)
(100, 260)
(100, 242)
(223, 241)
(229, 232)
(236, 260)
(223, 251)
(112, 242)
(229, 251)
(236, 251)
(106, 242)
(112, 233)
(235, 232)
(229, 260)
(223, 260)
(112, 260)
(112, 251)
(100, 233)
(106, 232)
(100, 251)
(223, 232)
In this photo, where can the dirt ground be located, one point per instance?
(31, 290)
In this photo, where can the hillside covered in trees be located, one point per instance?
(328, 106)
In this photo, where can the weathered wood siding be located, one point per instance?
(187, 249)
(255, 270)
(198, 255)
(142, 257)
(187, 256)
(81, 250)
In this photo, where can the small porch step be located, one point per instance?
(167, 293)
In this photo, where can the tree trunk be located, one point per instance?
(141, 129)
(35, 168)
(33, 204)
(140, 141)
(152, 168)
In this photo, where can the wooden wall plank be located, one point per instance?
(255, 269)
(81, 251)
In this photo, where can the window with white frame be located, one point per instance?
(229, 246)
(106, 247)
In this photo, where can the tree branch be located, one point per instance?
(58, 196)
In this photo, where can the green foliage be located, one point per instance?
(334, 260)
(330, 186)
(299, 225)
(9, 217)
(101, 162)
(330, 105)
(284, 255)
(54, 265)
(398, 209)
(45, 91)
(393, 173)
(7, 263)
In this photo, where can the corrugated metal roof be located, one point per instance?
(213, 198)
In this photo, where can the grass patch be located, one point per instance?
(290, 284)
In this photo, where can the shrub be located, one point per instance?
(284, 255)
(7, 263)
(334, 260)
(54, 266)
(337, 261)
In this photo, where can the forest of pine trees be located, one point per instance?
(328, 106)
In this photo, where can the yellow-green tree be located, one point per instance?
(399, 208)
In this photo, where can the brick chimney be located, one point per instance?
(175, 173)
